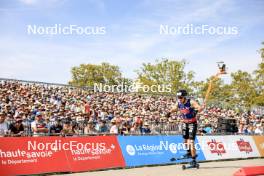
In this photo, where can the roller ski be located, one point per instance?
(192, 164)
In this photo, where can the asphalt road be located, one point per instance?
(220, 168)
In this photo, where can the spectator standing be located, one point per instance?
(89, 128)
(17, 128)
(67, 129)
(39, 128)
(258, 129)
(101, 127)
(146, 128)
(56, 128)
(114, 127)
(3, 125)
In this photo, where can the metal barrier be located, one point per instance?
(78, 128)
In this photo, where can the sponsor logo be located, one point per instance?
(130, 150)
(244, 146)
(155, 149)
(216, 147)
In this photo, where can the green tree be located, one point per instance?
(243, 89)
(111, 73)
(166, 72)
(89, 74)
(259, 79)
(220, 93)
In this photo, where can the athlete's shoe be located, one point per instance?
(193, 163)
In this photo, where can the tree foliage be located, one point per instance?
(220, 92)
(262, 52)
(259, 81)
(245, 90)
(89, 74)
(166, 72)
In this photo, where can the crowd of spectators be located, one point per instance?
(31, 109)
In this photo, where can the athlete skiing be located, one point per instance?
(188, 109)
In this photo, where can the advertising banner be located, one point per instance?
(246, 146)
(225, 147)
(148, 150)
(95, 152)
(259, 141)
(32, 155)
(29, 155)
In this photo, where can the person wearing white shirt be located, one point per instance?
(114, 127)
(258, 130)
(3, 125)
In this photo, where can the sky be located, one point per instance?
(132, 36)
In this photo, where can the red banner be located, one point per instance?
(98, 152)
(33, 155)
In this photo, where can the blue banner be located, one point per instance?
(148, 150)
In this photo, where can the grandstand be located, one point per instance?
(85, 112)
